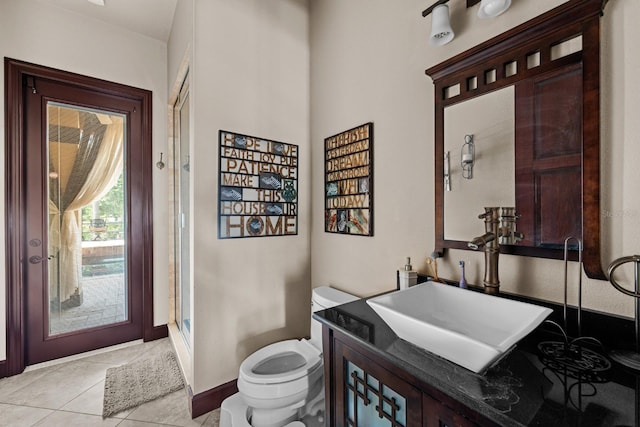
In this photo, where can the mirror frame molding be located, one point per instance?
(569, 20)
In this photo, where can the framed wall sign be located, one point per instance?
(348, 182)
(258, 187)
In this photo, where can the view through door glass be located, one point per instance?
(87, 219)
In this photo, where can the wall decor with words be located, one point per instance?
(348, 182)
(258, 187)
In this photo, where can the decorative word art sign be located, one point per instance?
(258, 190)
(348, 182)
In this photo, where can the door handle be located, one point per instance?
(38, 259)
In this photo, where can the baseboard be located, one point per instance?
(3, 368)
(156, 333)
(209, 400)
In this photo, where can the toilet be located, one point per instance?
(282, 384)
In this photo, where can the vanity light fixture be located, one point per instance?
(492, 8)
(468, 157)
(441, 31)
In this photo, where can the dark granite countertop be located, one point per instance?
(525, 388)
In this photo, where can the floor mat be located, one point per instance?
(138, 382)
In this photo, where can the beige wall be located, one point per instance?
(368, 60)
(179, 46)
(367, 64)
(37, 32)
(249, 74)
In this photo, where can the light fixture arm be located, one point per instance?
(428, 10)
(439, 2)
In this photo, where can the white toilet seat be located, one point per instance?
(280, 374)
(304, 357)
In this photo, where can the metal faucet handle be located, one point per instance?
(481, 241)
(490, 212)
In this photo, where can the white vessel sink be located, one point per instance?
(468, 328)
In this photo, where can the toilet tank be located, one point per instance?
(325, 297)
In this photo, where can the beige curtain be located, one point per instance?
(101, 178)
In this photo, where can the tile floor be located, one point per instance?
(103, 303)
(70, 394)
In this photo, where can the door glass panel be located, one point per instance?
(182, 233)
(184, 208)
(371, 403)
(87, 220)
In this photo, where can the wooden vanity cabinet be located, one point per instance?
(363, 390)
(436, 414)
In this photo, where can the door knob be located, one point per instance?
(38, 259)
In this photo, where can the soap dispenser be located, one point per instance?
(407, 276)
(463, 280)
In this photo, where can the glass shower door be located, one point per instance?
(182, 227)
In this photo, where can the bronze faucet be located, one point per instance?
(495, 234)
(491, 244)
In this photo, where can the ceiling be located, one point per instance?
(152, 18)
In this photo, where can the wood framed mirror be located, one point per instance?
(541, 152)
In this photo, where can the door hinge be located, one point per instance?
(30, 82)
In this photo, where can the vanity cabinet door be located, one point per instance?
(368, 395)
(435, 414)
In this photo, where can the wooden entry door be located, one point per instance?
(72, 142)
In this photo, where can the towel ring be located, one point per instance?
(630, 359)
(617, 263)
